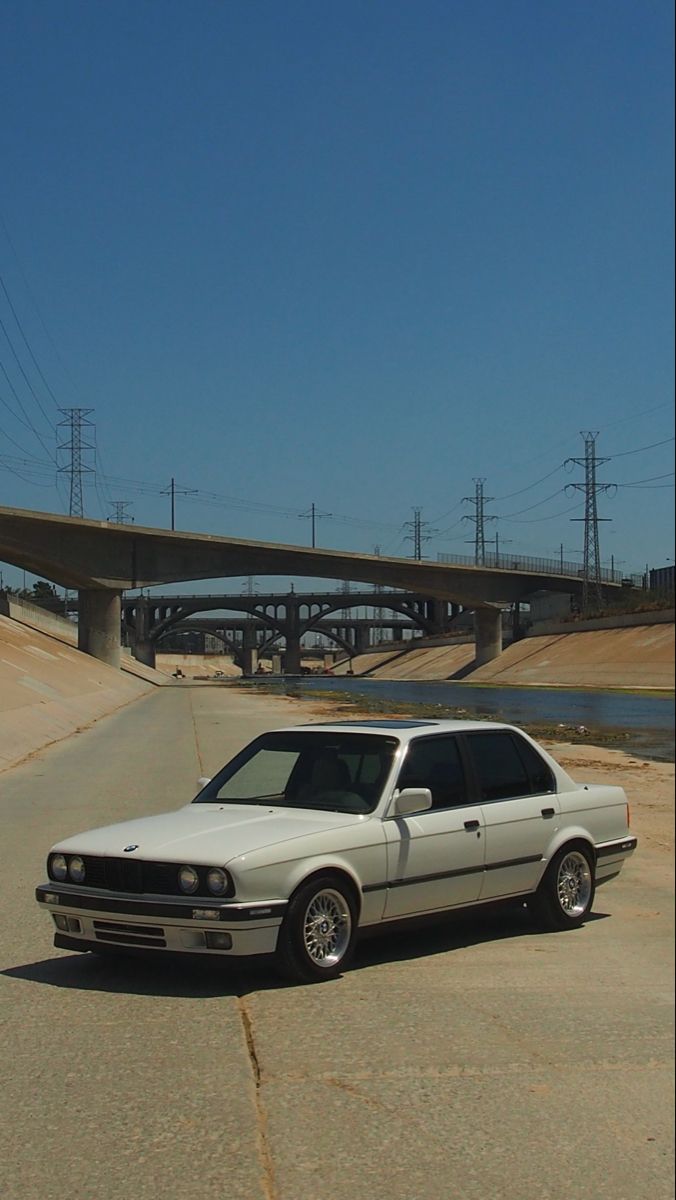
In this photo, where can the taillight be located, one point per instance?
(628, 816)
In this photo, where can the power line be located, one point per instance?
(640, 449)
(637, 482)
(26, 421)
(636, 416)
(530, 485)
(19, 364)
(28, 347)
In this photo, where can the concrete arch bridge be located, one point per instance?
(272, 617)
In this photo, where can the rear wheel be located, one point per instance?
(318, 933)
(566, 894)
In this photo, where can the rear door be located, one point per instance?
(434, 859)
(520, 809)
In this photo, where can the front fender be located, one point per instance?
(280, 882)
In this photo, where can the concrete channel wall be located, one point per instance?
(630, 651)
(48, 689)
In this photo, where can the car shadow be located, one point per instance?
(143, 976)
(421, 937)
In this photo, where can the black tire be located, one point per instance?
(317, 937)
(565, 896)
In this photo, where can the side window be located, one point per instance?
(500, 770)
(435, 763)
(541, 775)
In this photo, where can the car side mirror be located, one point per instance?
(202, 782)
(411, 800)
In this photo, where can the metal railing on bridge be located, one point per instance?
(519, 562)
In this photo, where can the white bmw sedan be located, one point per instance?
(312, 833)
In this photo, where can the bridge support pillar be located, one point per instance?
(249, 649)
(250, 660)
(144, 651)
(99, 624)
(292, 657)
(143, 647)
(487, 634)
(292, 636)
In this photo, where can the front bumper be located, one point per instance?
(211, 927)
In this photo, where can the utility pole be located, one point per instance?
(418, 536)
(591, 571)
(75, 421)
(505, 542)
(173, 491)
(314, 516)
(479, 517)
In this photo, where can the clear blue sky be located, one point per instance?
(353, 254)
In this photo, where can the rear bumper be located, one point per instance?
(610, 857)
(95, 919)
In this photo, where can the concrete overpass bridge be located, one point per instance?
(101, 560)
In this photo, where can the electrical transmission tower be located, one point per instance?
(377, 612)
(120, 516)
(345, 589)
(479, 517)
(421, 532)
(591, 570)
(75, 423)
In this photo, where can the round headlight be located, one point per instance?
(58, 867)
(217, 881)
(76, 869)
(188, 879)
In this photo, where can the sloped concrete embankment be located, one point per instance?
(438, 661)
(639, 653)
(65, 631)
(639, 657)
(49, 690)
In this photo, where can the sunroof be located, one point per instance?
(384, 724)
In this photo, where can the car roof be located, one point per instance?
(403, 729)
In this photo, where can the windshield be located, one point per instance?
(336, 772)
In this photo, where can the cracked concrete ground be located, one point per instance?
(474, 1058)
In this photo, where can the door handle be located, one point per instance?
(472, 824)
(548, 812)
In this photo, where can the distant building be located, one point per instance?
(662, 580)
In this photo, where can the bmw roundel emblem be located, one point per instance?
(127, 849)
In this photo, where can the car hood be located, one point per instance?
(205, 834)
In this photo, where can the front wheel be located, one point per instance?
(318, 933)
(566, 894)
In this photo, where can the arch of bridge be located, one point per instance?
(171, 615)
